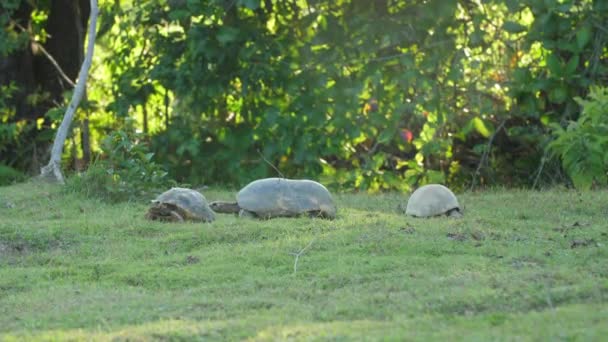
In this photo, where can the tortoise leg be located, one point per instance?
(175, 216)
(315, 213)
(320, 214)
(454, 213)
(247, 214)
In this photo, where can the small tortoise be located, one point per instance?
(279, 197)
(433, 200)
(180, 204)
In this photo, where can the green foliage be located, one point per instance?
(9, 175)
(124, 171)
(554, 61)
(11, 39)
(227, 92)
(275, 90)
(19, 138)
(583, 144)
(8, 130)
(564, 47)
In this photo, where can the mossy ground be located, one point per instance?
(521, 265)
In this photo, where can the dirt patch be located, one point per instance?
(32, 244)
(407, 230)
(12, 248)
(456, 236)
(526, 261)
(476, 235)
(568, 228)
(190, 259)
(583, 243)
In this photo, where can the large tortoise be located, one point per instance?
(180, 204)
(280, 197)
(433, 200)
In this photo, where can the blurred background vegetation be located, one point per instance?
(363, 95)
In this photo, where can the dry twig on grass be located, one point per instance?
(299, 254)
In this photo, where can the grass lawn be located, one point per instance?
(521, 265)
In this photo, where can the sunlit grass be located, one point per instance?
(519, 265)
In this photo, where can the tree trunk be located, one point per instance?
(144, 118)
(52, 171)
(85, 141)
(166, 108)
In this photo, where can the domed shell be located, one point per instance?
(274, 197)
(190, 204)
(432, 200)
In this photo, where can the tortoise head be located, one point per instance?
(164, 212)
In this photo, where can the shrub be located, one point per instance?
(8, 175)
(583, 144)
(124, 171)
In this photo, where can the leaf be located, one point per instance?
(583, 36)
(522, 76)
(433, 176)
(545, 119)
(554, 64)
(572, 65)
(251, 4)
(227, 34)
(386, 135)
(480, 127)
(571, 47)
(550, 4)
(558, 94)
(513, 5)
(476, 38)
(582, 180)
(564, 8)
(179, 14)
(513, 27)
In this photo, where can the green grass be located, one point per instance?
(520, 265)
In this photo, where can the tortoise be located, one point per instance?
(279, 197)
(180, 204)
(433, 200)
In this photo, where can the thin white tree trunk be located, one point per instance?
(52, 171)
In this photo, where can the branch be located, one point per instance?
(52, 171)
(486, 152)
(269, 163)
(539, 171)
(49, 57)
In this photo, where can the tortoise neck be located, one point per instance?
(225, 207)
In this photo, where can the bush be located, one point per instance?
(8, 175)
(124, 171)
(583, 144)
